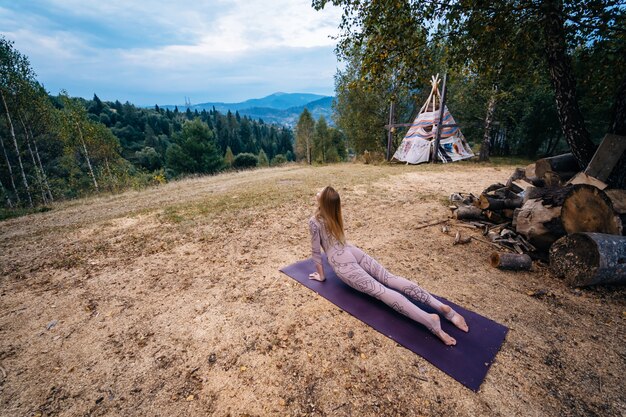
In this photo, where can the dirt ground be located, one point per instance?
(168, 302)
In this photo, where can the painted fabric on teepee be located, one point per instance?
(417, 145)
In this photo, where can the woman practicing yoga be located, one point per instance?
(363, 273)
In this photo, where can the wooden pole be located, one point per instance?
(442, 106)
(391, 129)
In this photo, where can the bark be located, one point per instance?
(589, 259)
(43, 171)
(17, 149)
(6, 157)
(6, 195)
(511, 261)
(491, 108)
(35, 167)
(561, 164)
(82, 141)
(561, 74)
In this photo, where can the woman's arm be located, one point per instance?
(316, 250)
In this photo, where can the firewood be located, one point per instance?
(487, 202)
(582, 178)
(468, 213)
(589, 209)
(539, 223)
(459, 240)
(518, 174)
(550, 196)
(589, 258)
(511, 261)
(559, 164)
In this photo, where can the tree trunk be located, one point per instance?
(82, 141)
(44, 199)
(590, 258)
(6, 195)
(43, 172)
(6, 157)
(561, 74)
(491, 108)
(617, 179)
(17, 149)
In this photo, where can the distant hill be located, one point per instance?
(279, 108)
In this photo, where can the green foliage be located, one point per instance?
(229, 157)
(245, 160)
(305, 131)
(262, 158)
(481, 45)
(278, 160)
(194, 151)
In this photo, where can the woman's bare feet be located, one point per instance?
(454, 317)
(437, 331)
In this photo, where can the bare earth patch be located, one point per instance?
(168, 302)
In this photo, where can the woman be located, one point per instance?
(363, 273)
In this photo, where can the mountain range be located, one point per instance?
(279, 108)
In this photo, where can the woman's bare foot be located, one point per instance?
(454, 317)
(437, 331)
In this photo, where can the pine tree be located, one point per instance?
(263, 161)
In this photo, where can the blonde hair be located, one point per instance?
(329, 209)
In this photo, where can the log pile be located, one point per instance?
(549, 201)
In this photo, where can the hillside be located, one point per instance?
(169, 302)
(279, 108)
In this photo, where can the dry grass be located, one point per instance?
(169, 302)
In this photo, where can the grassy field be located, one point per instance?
(168, 302)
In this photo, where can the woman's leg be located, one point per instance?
(356, 277)
(406, 287)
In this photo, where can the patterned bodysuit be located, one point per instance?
(360, 271)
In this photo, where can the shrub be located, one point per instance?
(279, 160)
(245, 160)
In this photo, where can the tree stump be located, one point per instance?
(589, 209)
(589, 259)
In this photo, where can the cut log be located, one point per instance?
(511, 261)
(468, 213)
(560, 164)
(494, 187)
(590, 258)
(530, 171)
(551, 196)
(487, 202)
(589, 209)
(539, 223)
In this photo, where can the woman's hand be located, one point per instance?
(316, 276)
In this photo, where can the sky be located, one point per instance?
(159, 52)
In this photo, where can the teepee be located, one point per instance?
(418, 143)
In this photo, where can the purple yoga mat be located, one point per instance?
(467, 362)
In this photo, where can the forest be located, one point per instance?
(59, 147)
(527, 79)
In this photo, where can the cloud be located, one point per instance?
(228, 50)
